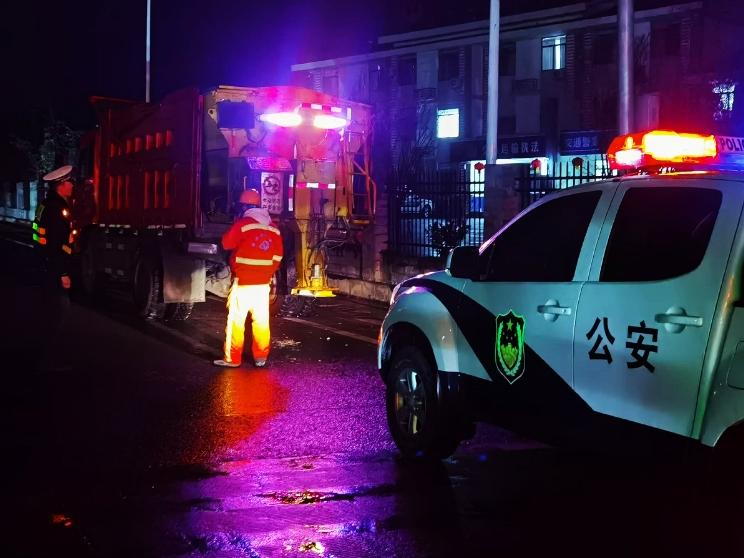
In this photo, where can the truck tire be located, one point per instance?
(91, 281)
(296, 306)
(178, 311)
(148, 285)
(419, 424)
(276, 298)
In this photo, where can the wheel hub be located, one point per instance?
(410, 402)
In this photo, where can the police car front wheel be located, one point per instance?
(419, 424)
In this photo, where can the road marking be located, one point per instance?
(26, 244)
(182, 336)
(356, 336)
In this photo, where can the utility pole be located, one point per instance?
(625, 31)
(493, 84)
(147, 55)
(496, 187)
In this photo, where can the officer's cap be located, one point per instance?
(59, 175)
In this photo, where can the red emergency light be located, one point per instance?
(660, 148)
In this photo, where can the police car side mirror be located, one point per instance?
(462, 262)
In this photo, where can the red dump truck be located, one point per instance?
(160, 181)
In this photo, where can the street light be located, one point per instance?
(147, 55)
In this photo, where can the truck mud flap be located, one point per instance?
(184, 278)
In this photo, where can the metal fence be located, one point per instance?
(433, 211)
(533, 185)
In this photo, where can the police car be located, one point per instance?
(615, 301)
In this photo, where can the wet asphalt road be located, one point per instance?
(144, 448)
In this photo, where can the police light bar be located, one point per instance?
(283, 119)
(660, 148)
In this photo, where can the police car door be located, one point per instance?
(524, 305)
(645, 314)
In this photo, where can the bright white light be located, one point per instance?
(329, 122)
(283, 119)
(448, 123)
(543, 170)
(629, 157)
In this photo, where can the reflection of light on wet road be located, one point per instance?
(247, 393)
(312, 546)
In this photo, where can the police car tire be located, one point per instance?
(147, 289)
(439, 436)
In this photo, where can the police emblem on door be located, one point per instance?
(510, 346)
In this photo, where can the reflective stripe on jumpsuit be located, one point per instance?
(242, 300)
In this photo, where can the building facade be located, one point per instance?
(557, 82)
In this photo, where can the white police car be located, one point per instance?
(619, 299)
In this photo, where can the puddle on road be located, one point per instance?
(302, 497)
(306, 497)
(61, 519)
(218, 542)
(286, 343)
(312, 546)
(351, 528)
(301, 464)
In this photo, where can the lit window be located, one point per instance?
(448, 123)
(554, 53)
(725, 93)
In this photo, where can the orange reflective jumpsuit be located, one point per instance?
(257, 251)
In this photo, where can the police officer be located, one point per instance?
(257, 251)
(53, 237)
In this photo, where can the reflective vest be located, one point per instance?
(52, 233)
(257, 250)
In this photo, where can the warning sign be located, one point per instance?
(271, 192)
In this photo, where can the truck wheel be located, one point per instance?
(276, 299)
(178, 311)
(418, 423)
(148, 289)
(297, 306)
(91, 280)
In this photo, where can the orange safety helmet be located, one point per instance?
(250, 197)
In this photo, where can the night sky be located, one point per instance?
(57, 54)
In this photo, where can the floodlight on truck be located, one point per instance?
(283, 119)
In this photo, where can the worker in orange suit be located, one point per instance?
(257, 251)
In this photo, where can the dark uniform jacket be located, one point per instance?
(51, 233)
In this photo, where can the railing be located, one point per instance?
(533, 185)
(433, 211)
(18, 201)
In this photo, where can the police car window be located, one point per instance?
(543, 245)
(660, 233)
